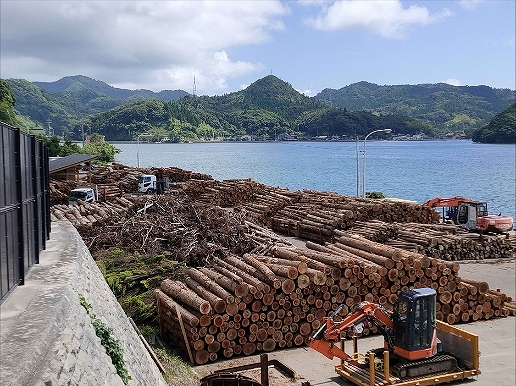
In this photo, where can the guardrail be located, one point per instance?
(24, 205)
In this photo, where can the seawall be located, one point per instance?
(46, 335)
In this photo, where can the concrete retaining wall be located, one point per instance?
(46, 335)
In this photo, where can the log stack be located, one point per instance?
(258, 303)
(263, 302)
(440, 241)
(226, 193)
(85, 214)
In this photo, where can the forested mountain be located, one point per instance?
(501, 129)
(38, 105)
(269, 108)
(445, 107)
(78, 83)
(266, 109)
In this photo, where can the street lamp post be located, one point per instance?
(364, 163)
(138, 147)
(356, 153)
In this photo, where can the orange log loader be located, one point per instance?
(471, 214)
(418, 349)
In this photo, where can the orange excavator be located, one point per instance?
(418, 349)
(471, 214)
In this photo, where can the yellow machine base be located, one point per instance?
(363, 377)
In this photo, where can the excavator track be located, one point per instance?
(434, 365)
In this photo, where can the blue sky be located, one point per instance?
(227, 45)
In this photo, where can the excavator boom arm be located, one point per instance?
(325, 338)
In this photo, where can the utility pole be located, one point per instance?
(50, 130)
(82, 132)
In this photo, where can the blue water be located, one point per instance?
(413, 170)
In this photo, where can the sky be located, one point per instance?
(227, 45)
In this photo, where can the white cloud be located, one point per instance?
(453, 82)
(145, 43)
(469, 4)
(386, 18)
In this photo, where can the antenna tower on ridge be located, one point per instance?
(194, 86)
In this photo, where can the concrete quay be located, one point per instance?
(47, 337)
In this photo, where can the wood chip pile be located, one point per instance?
(257, 303)
(445, 242)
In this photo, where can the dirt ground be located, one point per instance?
(497, 343)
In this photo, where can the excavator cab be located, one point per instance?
(414, 324)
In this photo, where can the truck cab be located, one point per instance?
(86, 194)
(147, 184)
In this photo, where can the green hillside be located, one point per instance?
(269, 108)
(445, 107)
(501, 129)
(38, 105)
(265, 110)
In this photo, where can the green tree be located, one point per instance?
(7, 101)
(104, 151)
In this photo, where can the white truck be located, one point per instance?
(149, 184)
(84, 193)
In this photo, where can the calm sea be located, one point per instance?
(413, 170)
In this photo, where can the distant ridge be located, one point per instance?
(79, 83)
(440, 104)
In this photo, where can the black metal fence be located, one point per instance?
(24, 205)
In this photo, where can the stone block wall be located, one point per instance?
(46, 335)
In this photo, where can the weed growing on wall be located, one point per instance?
(105, 333)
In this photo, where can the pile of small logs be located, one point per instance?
(226, 193)
(440, 241)
(457, 297)
(85, 214)
(126, 177)
(60, 191)
(306, 214)
(253, 303)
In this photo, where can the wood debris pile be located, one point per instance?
(440, 241)
(183, 230)
(60, 191)
(257, 303)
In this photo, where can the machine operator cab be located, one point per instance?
(414, 324)
(467, 213)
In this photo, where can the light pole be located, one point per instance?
(138, 147)
(364, 163)
(356, 153)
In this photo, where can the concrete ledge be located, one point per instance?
(46, 336)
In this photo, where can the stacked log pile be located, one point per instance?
(307, 214)
(226, 193)
(242, 306)
(126, 177)
(85, 214)
(60, 191)
(262, 302)
(440, 241)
